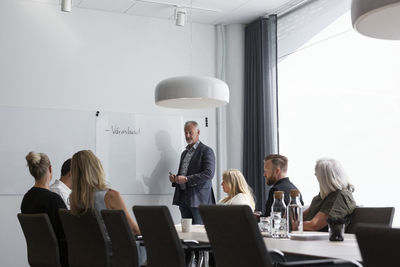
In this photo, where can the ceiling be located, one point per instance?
(202, 11)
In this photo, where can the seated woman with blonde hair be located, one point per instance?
(335, 198)
(89, 189)
(239, 192)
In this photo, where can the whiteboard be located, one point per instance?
(138, 151)
(58, 133)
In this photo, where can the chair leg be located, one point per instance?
(206, 259)
(192, 259)
(201, 259)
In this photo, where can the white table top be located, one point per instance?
(347, 250)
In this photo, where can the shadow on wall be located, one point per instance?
(158, 182)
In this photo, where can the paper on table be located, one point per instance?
(194, 228)
(309, 235)
(266, 234)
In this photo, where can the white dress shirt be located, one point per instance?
(61, 189)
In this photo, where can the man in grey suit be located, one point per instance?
(193, 182)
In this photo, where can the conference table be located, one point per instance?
(347, 250)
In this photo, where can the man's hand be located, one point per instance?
(172, 178)
(180, 179)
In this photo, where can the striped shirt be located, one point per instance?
(186, 161)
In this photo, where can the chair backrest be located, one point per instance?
(370, 215)
(41, 240)
(87, 242)
(162, 242)
(234, 236)
(379, 245)
(123, 241)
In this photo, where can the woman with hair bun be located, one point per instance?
(39, 199)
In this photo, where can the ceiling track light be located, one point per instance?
(66, 5)
(180, 16)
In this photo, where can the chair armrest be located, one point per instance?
(188, 241)
(276, 255)
(323, 262)
(195, 245)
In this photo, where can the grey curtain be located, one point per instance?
(260, 103)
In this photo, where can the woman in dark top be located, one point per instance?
(39, 199)
(335, 198)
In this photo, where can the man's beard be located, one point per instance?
(271, 180)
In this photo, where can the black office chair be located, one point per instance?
(123, 241)
(370, 215)
(87, 241)
(164, 248)
(41, 240)
(237, 242)
(379, 245)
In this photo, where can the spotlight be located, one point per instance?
(66, 5)
(180, 16)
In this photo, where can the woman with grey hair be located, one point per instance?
(335, 198)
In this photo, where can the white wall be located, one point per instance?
(90, 60)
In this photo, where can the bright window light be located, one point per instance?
(339, 97)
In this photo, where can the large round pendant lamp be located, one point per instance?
(192, 92)
(377, 18)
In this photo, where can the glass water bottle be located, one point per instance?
(294, 214)
(278, 216)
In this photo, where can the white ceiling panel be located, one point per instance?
(203, 16)
(203, 11)
(56, 2)
(250, 11)
(224, 6)
(47, 1)
(146, 9)
(119, 6)
(169, 2)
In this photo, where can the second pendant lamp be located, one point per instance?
(191, 92)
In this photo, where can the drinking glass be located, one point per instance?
(265, 224)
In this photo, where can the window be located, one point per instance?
(339, 97)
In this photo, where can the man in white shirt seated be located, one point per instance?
(63, 185)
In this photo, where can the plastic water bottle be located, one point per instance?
(294, 213)
(278, 216)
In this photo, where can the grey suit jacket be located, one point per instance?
(200, 173)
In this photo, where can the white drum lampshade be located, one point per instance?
(377, 18)
(192, 92)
